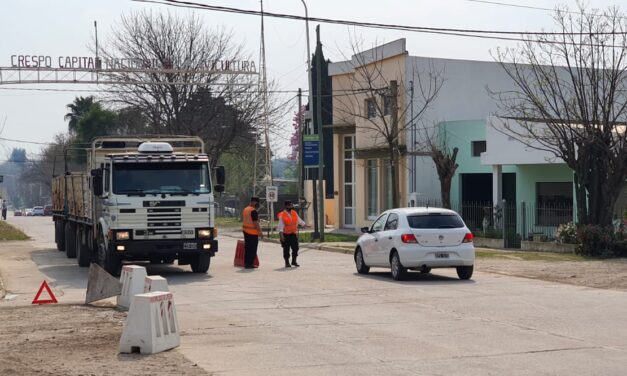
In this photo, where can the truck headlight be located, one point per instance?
(122, 235)
(203, 233)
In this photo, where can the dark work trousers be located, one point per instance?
(291, 241)
(250, 245)
(4, 214)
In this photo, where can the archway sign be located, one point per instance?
(45, 69)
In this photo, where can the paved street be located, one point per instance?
(324, 319)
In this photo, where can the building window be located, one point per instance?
(554, 203)
(387, 184)
(349, 181)
(478, 147)
(387, 105)
(371, 108)
(372, 188)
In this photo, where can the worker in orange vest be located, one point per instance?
(252, 232)
(288, 231)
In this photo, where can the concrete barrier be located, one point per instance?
(151, 325)
(155, 283)
(132, 279)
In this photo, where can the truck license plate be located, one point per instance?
(441, 255)
(190, 246)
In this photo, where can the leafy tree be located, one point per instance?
(78, 108)
(570, 100)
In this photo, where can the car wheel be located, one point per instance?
(362, 268)
(399, 272)
(465, 272)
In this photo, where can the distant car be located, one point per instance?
(48, 210)
(416, 239)
(28, 212)
(229, 212)
(38, 210)
(17, 213)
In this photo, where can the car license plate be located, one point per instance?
(441, 255)
(190, 246)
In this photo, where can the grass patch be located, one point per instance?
(530, 256)
(9, 233)
(227, 222)
(306, 237)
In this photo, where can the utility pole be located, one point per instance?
(394, 119)
(320, 134)
(299, 131)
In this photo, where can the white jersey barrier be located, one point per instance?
(151, 325)
(155, 283)
(132, 279)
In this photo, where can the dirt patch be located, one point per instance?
(76, 340)
(603, 274)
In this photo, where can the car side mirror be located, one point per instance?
(96, 181)
(365, 230)
(219, 188)
(220, 175)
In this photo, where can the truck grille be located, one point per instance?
(164, 221)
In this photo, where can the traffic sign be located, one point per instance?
(272, 194)
(52, 298)
(311, 150)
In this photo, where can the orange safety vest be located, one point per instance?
(290, 222)
(248, 225)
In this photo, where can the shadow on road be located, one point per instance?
(415, 278)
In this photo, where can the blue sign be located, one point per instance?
(311, 150)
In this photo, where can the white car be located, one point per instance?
(38, 210)
(416, 239)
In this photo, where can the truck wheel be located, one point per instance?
(82, 250)
(70, 241)
(201, 263)
(107, 258)
(58, 235)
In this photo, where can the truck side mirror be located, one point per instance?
(96, 181)
(220, 175)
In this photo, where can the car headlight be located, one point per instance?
(122, 235)
(203, 233)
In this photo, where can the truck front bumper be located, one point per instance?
(147, 249)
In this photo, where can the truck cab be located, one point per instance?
(150, 200)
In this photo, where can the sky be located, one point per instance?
(65, 28)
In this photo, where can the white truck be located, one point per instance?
(140, 199)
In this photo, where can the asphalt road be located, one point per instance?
(324, 319)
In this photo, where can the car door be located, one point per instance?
(370, 244)
(387, 239)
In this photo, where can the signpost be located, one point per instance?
(311, 150)
(272, 196)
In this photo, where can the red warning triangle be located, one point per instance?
(52, 299)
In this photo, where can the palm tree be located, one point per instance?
(78, 108)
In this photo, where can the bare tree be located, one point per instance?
(371, 97)
(569, 100)
(445, 160)
(184, 92)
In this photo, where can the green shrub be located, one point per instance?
(566, 233)
(596, 241)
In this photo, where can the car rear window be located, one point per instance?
(435, 221)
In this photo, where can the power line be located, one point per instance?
(475, 33)
(26, 142)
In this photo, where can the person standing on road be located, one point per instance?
(4, 209)
(288, 231)
(252, 232)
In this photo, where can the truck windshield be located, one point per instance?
(155, 178)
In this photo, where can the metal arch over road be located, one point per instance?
(25, 75)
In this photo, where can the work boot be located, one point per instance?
(287, 263)
(294, 262)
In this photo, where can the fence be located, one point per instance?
(512, 222)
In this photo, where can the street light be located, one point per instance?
(308, 55)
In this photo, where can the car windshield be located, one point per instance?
(153, 178)
(435, 221)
